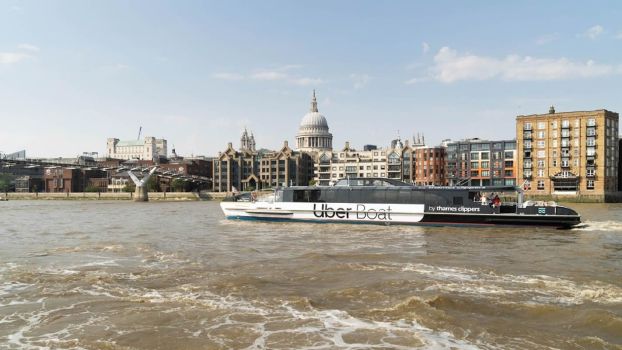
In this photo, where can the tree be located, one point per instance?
(153, 185)
(6, 182)
(179, 185)
(129, 187)
(91, 188)
(312, 182)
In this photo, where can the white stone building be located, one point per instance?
(148, 149)
(331, 166)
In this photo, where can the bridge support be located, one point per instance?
(141, 194)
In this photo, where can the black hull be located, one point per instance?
(502, 219)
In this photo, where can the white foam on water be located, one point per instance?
(111, 262)
(536, 288)
(541, 288)
(9, 288)
(53, 340)
(332, 326)
(606, 226)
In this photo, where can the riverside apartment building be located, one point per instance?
(568, 153)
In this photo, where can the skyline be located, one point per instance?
(74, 74)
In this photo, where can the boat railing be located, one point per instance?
(539, 203)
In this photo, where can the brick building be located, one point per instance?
(569, 153)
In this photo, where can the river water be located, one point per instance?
(177, 275)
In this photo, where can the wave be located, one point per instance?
(533, 288)
(605, 226)
(273, 324)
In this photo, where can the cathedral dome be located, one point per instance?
(313, 134)
(314, 120)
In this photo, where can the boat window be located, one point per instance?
(391, 196)
(329, 195)
(435, 199)
(378, 196)
(355, 195)
(306, 196)
(299, 196)
(404, 196)
(417, 197)
(278, 196)
(341, 196)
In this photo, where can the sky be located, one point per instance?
(74, 73)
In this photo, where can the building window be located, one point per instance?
(540, 185)
(541, 154)
(590, 184)
(554, 124)
(565, 123)
(541, 144)
(541, 125)
(486, 173)
(474, 165)
(527, 126)
(541, 134)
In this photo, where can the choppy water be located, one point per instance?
(121, 275)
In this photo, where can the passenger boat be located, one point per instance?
(388, 201)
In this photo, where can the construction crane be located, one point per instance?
(140, 129)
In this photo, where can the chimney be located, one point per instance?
(285, 143)
(552, 110)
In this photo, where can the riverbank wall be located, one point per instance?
(153, 196)
(615, 197)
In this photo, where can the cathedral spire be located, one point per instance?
(314, 103)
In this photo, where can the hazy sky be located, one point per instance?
(73, 73)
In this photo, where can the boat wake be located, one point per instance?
(605, 226)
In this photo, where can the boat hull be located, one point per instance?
(384, 214)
